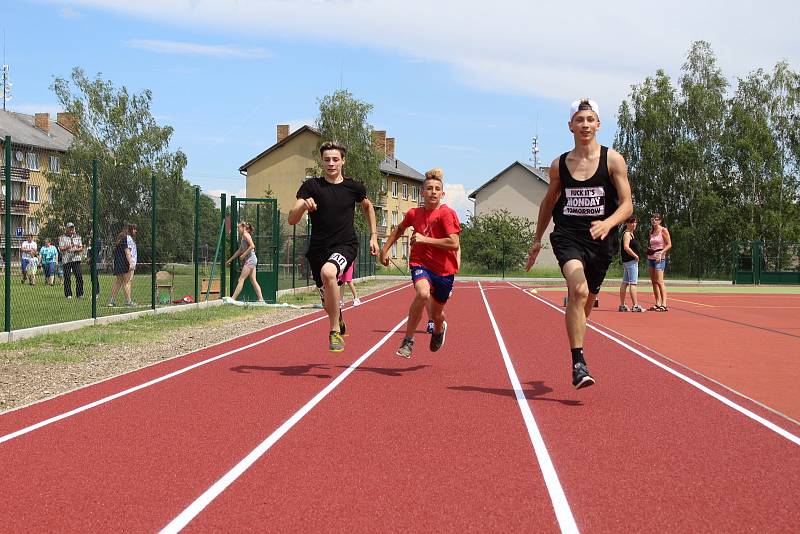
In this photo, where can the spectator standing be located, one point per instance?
(28, 249)
(125, 258)
(71, 246)
(49, 257)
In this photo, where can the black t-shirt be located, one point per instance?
(584, 201)
(332, 222)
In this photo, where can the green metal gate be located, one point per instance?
(263, 214)
(766, 263)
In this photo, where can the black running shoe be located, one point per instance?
(437, 340)
(581, 377)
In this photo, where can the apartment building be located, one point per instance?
(37, 146)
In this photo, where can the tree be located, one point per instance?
(719, 168)
(117, 129)
(344, 118)
(497, 240)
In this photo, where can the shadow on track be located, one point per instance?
(535, 392)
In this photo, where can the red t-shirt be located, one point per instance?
(436, 223)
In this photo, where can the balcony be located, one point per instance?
(17, 174)
(18, 207)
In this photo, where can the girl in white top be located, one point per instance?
(247, 256)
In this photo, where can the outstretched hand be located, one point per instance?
(536, 247)
(311, 204)
(599, 229)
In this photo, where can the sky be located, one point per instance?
(461, 85)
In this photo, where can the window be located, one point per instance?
(394, 218)
(394, 189)
(414, 192)
(383, 218)
(33, 194)
(50, 195)
(33, 225)
(394, 249)
(384, 186)
(33, 161)
(405, 191)
(55, 164)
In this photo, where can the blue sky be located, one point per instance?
(461, 85)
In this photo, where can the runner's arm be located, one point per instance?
(545, 213)
(369, 212)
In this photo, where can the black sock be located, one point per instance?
(577, 356)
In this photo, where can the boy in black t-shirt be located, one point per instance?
(330, 201)
(588, 197)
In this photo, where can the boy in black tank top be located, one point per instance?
(588, 197)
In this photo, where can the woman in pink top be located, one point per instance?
(657, 249)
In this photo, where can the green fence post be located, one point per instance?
(234, 221)
(7, 259)
(756, 252)
(196, 243)
(93, 265)
(153, 200)
(294, 252)
(223, 206)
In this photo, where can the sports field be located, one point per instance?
(691, 427)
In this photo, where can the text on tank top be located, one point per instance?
(584, 201)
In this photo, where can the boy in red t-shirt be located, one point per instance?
(434, 259)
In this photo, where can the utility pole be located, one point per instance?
(6, 82)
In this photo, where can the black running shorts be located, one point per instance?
(342, 256)
(595, 256)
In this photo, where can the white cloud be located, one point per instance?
(70, 14)
(552, 50)
(456, 196)
(195, 49)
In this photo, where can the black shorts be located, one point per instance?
(595, 256)
(342, 256)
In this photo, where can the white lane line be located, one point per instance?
(173, 374)
(563, 512)
(183, 519)
(724, 400)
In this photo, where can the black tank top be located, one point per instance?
(584, 201)
(634, 245)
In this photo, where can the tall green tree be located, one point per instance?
(117, 129)
(720, 167)
(344, 118)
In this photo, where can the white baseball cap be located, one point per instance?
(575, 107)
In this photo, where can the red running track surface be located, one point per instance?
(435, 443)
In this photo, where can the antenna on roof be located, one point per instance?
(6, 83)
(535, 146)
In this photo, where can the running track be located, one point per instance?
(270, 432)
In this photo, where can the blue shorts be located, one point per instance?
(657, 265)
(24, 264)
(441, 286)
(630, 272)
(49, 269)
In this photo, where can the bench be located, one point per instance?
(213, 292)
